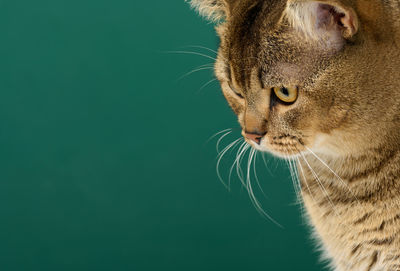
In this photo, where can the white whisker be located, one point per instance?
(195, 70)
(305, 180)
(331, 170)
(209, 82)
(201, 47)
(220, 155)
(255, 173)
(250, 191)
(287, 160)
(319, 183)
(220, 139)
(296, 181)
(192, 53)
(296, 173)
(238, 163)
(238, 154)
(265, 163)
(292, 175)
(218, 133)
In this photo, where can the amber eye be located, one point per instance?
(286, 94)
(234, 90)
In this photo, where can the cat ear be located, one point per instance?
(213, 10)
(322, 20)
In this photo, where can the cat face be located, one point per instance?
(302, 74)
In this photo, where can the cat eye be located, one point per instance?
(234, 90)
(286, 94)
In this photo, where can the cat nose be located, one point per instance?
(256, 137)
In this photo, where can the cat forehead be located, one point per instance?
(272, 57)
(248, 18)
(250, 30)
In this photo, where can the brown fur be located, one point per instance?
(347, 112)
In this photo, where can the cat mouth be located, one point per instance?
(283, 146)
(284, 150)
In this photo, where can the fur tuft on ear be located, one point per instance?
(322, 20)
(213, 10)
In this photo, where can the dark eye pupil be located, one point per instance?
(285, 91)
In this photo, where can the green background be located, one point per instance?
(105, 162)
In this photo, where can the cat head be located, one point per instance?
(304, 74)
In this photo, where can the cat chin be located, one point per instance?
(279, 151)
(284, 155)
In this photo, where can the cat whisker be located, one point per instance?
(305, 179)
(265, 163)
(255, 173)
(250, 191)
(289, 165)
(206, 84)
(201, 47)
(200, 68)
(295, 178)
(251, 166)
(236, 158)
(248, 180)
(296, 182)
(191, 53)
(218, 133)
(238, 161)
(220, 139)
(220, 155)
(306, 182)
(296, 171)
(334, 173)
(320, 183)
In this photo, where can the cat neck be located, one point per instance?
(375, 173)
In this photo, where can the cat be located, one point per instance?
(319, 81)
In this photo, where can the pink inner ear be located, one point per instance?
(328, 16)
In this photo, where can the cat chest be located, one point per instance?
(356, 234)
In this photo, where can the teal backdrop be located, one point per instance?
(106, 160)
